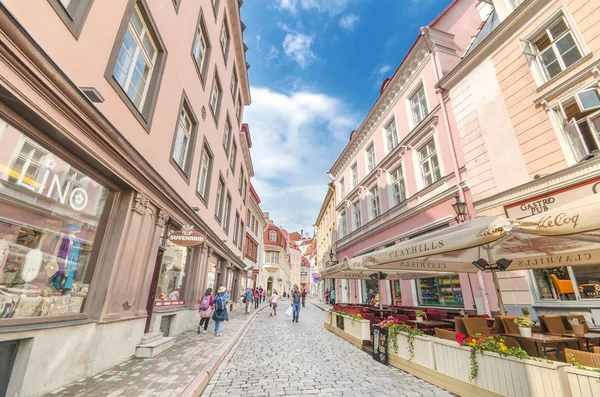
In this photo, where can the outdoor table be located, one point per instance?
(428, 323)
(543, 340)
(587, 336)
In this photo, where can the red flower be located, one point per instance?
(460, 338)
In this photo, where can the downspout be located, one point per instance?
(424, 31)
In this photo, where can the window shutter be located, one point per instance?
(573, 135)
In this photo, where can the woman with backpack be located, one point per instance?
(220, 313)
(205, 310)
(256, 298)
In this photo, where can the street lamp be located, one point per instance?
(460, 207)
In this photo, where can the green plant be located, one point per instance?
(525, 311)
(559, 271)
(523, 322)
(419, 313)
(575, 363)
(394, 327)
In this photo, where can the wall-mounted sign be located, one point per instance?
(168, 303)
(186, 237)
(255, 271)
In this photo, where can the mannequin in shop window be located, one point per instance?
(68, 248)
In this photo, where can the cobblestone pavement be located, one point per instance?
(167, 374)
(277, 357)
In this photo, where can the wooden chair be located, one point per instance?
(509, 327)
(476, 326)
(563, 287)
(596, 349)
(580, 317)
(583, 358)
(445, 334)
(553, 324)
(460, 325)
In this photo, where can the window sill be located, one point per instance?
(40, 323)
(580, 304)
(553, 80)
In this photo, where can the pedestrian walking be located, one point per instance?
(256, 298)
(220, 311)
(273, 301)
(260, 294)
(327, 295)
(264, 295)
(205, 310)
(248, 298)
(332, 297)
(296, 298)
(304, 297)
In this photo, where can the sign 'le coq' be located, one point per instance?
(186, 237)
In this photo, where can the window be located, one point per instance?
(251, 251)
(343, 226)
(215, 97)
(430, 167)
(398, 187)
(73, 13)
(201, 49)
(224, 38)
(418, 104)
(219, 201)
(245, 190)
(241, 181)
(184, 140)
(236, 228)
(227, 136)
(227, 212)
(215, 5)
(553, 50)
(27, 166)
(567, 283)
(273, 257)
(354, 175)
(136, 60)
(241, 238)
(204, 173)
(342, 189)
(375, 204)
(234, 83)
(391, 135)
(173, 269)
(233, 156)
(248, 217)
(238, 109)
(440, 291)
(370, 153)
(272, 235)
(356, 214)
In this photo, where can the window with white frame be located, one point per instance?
(391, 135)
(553, 49)
(342, 188)
(236, 227)
(215, 4)
(579, 119)
(233, 156)
(354, 175)
(234, 83)
(227, 212)
(418, 105)
(241, 180)
(343, 226)
(227, 136)
(238, 109)
(370, 156)
(398, 186)
(356, 214)
(430, 166)
(219, 201)
(215, 97)
(136, 60)
(241, 238)
(272, 235)
(204, 173)
(201, 49)
(224, 37)
(182, 140)
(375, 203)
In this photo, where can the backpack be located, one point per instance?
(205, 303)
(219, 303)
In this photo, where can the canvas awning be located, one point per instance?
(353, 270)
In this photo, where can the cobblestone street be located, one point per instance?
(277, 357)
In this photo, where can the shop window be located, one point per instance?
(175, 260)
(397, 292)
(418, 105)
(369, 290)
(201, 49)
(211, 274)
(567, 283)
(440, 291)
(73, 13)
(50, 212)
(136, 62)
(430, 166)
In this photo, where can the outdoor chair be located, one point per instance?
(445, 334)
(476, 326)
(583, 358)
(563, 287)
(434, 316)
(460, 325)
(596, 349)
(509, 327)
(553, 324)
(580, 317)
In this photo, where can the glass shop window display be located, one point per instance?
(49, 215)
(172, 273)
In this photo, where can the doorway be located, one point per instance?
(153, 287)
(270, 284)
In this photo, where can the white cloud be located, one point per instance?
(297, 46)
(331, 7)
(380, 72)
(273, 53)
(349, 21)
(295, 137)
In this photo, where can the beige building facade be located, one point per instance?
(119, 127)
(526, 100)
(325, 236)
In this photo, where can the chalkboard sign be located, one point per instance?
(380, 345)
(339, 321)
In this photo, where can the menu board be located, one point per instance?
(339, 321)
(380, 345)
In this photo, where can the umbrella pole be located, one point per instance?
(498, 294)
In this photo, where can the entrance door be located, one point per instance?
(153, 286)
(8, 353)
(270, 284)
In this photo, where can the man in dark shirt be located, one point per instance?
(296, 299)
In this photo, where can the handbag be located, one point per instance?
(289, 311)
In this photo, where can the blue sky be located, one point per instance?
(316, 70)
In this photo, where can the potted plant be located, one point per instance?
(525, 324)
(525, 311)
(419, 315)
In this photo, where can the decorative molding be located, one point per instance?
(596, 72)
(162, 218)
(570, 85)
(140, 203)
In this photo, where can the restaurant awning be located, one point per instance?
(353, 270)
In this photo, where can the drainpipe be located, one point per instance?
(424, 31)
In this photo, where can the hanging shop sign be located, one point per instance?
(255, 271)
(547, 202)
(380, 345)
(186, 237)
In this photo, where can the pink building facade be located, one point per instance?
(400, 173)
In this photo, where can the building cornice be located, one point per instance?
(246, 153)
(240, 53)
(510, 26)
(412, 64)
(328, 198)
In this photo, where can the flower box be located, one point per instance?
(354, 331)
(360, 329)
(583, 382)
(508, 376)
(423, 350)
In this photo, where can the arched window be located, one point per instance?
(272, 235)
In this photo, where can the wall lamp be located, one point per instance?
(460, 207)
(501, 264)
